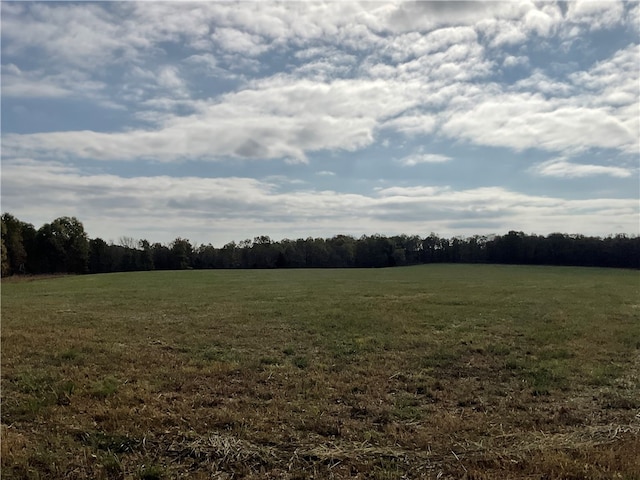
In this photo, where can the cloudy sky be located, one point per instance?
(220, 121)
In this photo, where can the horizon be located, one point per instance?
(133, 242)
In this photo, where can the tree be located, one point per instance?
(229, 256)
(64, 246)
(264, 253)
(205, 256)
(182, 252)
(75, 241)
(429, 246)
(14, 249)
(145, 255)
(316, 252)
(342, 249)
(411, 247)
(5, 259)
(374, 251)
(100, 260)
(162, 256)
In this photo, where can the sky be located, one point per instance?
(222, 121)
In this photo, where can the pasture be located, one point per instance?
(435, 371)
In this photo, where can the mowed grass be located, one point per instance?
(437, 371)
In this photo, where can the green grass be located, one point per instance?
(376, 373)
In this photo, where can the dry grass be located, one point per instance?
(440, 372)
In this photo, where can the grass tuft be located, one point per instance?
(104, 388)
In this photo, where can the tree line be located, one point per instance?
(63, 246)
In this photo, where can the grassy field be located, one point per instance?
(439, 371)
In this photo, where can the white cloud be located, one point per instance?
(513, 61)
(412, 124)
(529, 121)
(205, 59)
(20, 85)
(92, 35)
(426, 16)
(596, 108)
(564, 169)
(326, 173)
(502, 32)
(633, 15)
(169, 77)
(222, 209)
(285, 116)
(236, 41)
(538, 81)
(544, 21)
(40, 84)
(418, 158)
(82, 35)
(328, 67)
(614, 81)
(415, 44)
(223, 130)
(596, 14)
(417, 192)
(276, 118)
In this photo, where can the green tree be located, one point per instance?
(145, 255)
(430, 246)
(182, 252)
(5, 259)
(374, 251)
(100, 256)
(64, 246)
(229, 256)
(205, 256)
(342, 251)
(316, 252)
(14, 248)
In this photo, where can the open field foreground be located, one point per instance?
(436, 372)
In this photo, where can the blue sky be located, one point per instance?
(220, 121)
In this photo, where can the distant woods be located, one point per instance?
(63, 246)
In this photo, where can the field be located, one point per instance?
(436, 372)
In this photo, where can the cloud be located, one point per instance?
(169, 77)
(416, 44)
(40, 84)
(522, 121)
(16, 84)
(564, 169)
(285, 116)
(236, 41)
(231, 208)
(83, 35)
(418, 158)
(206, 59)
(92, 35)
(412, 124)
(614, 81)
(597, 15)
(543, 22)
(281, 117)
(426, 16)
(513, 61)
(417, 192)
(502, 32)
(539, 81)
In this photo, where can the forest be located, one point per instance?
(63, 246)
